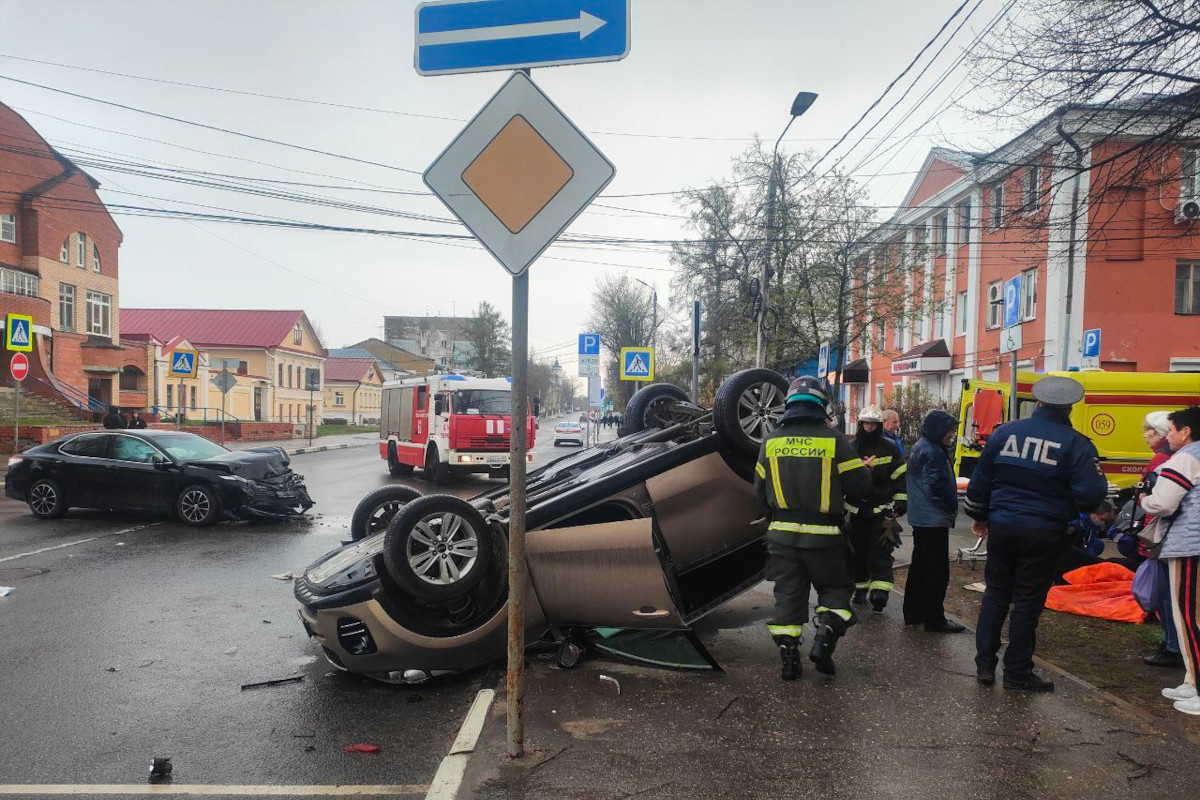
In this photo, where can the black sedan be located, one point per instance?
(182, 474)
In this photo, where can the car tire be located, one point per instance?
(198, 505)
(395, 468)
(425, 565)
(46, 499)
(747, 408)
(435, 471)
(647, 406)
(375, 511)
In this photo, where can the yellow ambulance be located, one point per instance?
(1111, 415)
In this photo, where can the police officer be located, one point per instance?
(804, 471)
(1034, 476)
(872, 559)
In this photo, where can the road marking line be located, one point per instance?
(213, 790)
(81, 541)
(446, 782)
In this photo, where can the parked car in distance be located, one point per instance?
(169, 472)
(568, 433)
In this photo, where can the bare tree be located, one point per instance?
(621, 314)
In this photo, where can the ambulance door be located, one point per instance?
(984, 407)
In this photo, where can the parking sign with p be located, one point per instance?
(18, 333)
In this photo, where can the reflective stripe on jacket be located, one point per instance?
(888, 483)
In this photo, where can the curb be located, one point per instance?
(326, 448)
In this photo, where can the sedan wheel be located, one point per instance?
(198, 505)
(46, 500)
(375, 512)
(438, 547)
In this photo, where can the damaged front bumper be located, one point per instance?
(275, 499)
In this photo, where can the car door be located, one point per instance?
(84, 466)
(139, 475)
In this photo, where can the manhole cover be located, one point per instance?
(9, 574)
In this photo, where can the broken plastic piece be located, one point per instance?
(284, 576)
(160, 769)
(361, 748)
(275, 682)
(231, 651)
(613, 681)
(5, 591)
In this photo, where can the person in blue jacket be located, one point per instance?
(932, 509)
(1033, 478)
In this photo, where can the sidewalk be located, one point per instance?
(904, 718)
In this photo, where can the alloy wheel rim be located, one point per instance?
(442, 548)
(195, 506)
(43, 498)
(383, 515)
(759, 410)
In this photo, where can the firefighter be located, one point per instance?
(805, 473)
(871, 525)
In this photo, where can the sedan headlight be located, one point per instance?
(352, 565)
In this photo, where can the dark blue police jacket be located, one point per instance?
(1036, 473)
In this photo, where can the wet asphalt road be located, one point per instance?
(135, 644)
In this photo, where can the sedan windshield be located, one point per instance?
(189, 447)
(482, 401)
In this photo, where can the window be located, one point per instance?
(81, 250)
(95, 258)
(130, 379)
(898, 334)
(281, 408)
(1028, 294)
(170, 395)
(289, 382)
(880, 336)
(339, 399)
(64, 255)
(964, 222)
(66, 306)
(281, 386)
(297, 334)
(192, 392)
(88, 445)
(127, 448)
(1187, 287)
(99, 314)
(998, 206)
(8, 227)
(960, 314)
(941, 233)
(995, 312)
(13, 281)
(1189, 183)
(1033, 188)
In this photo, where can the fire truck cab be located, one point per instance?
(447, 424)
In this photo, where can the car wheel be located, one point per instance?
(376, 510)
(748, 407)
(198, 505)
(438, 548)
(46, 499)
(394, 466)
(650, 407)
(435, 471)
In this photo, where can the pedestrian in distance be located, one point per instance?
(1175, 500)
(932, 510)
(113, 419)
(891, 429)
(1154, 430)
(805, 475)
(869, 534)
(136, 423)
(1032, 479)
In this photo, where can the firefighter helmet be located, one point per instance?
(809, 390)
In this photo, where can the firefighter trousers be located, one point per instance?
(796, 571)
(871, 559)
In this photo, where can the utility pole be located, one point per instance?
(764, 274)
(1064, 359)
(696, 351)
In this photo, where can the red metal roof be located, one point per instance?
(212, 327)
(347, 369)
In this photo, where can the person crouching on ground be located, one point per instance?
(872, 548)
(805, 475)
(932, 509)
(1176, 502)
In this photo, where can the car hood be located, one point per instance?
(256, 464)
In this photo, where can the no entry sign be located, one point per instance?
(19, 366)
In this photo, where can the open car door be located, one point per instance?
(984, 407)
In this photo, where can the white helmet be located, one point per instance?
(870, 413)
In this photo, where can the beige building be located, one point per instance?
(353, 390)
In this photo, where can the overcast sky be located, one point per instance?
(702, 78)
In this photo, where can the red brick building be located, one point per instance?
(971, 222)
(58, 262)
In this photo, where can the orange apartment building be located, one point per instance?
(970, 222)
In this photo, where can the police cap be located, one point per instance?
(1058, 391)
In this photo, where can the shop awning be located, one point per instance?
(857, 371)
(931, 356)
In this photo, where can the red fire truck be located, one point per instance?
(446, 424)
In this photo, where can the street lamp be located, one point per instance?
(803, 101)
(653, 315)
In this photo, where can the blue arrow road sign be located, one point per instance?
(1091, 343)
(456, 36)
(589, 344)
(1012, 302)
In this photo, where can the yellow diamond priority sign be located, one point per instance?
(519, 174)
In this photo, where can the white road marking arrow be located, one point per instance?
(585, 25)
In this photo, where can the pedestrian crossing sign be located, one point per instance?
(637, 364)
(183, 363)
(18, 333)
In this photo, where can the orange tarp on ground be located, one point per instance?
(1098, 590)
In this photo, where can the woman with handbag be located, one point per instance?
(1175, 501)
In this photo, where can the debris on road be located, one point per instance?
(274, 682)
(112, 669)
(160, 769)
(231, 651)
(976, 587)
(284, 576)
(5, 591)
(611, 680)
(725, 708)
(361, 747)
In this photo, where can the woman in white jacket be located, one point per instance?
(1175, 500)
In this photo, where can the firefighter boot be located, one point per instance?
(860, 596)
(879, 600)
(823, 645)
(789, 654)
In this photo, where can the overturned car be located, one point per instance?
(646, 533)
(182, 474)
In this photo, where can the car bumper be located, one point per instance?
(275, 500)
(568, 440)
